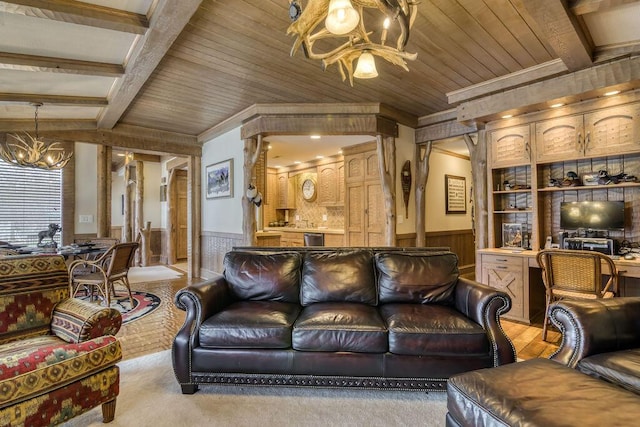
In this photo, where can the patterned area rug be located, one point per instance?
(143, 304)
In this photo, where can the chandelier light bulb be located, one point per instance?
(366, 67)
(342, 18)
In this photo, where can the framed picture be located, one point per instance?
(512, 235)
(219, 178)
(455, 191)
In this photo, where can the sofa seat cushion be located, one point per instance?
(250, 324)
(618, 367)
(432, 329)
(340, 327)
(34, 366)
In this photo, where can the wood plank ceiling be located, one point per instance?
(229, 55)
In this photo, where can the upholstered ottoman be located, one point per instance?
(537, 392)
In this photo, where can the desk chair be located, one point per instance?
(574, 274)
(103, 273)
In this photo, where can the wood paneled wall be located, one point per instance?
(460, 241)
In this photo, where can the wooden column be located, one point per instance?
(252, 150)
(144, 250)
(171, 212)
(194, 183)
(480, 217)
(126, 220)
(68, 197)
(139, 212)
(386, 149)
(423, 152)
(104, 191)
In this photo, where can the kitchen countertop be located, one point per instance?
(274, 230)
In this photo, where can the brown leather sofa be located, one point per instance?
(360, 318)
(600, 339)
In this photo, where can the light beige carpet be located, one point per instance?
(150, 396)
(152, 273)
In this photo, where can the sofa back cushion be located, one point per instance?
(263, 276)
(341, 276)
(30, 288)
(422, 277)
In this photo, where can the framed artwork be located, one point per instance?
(512, 235)
(455, 191)
(219, 178)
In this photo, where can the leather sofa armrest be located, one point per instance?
(200, 301)
(484, 305)
(595, 326)
(76, 321)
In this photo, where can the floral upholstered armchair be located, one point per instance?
(57, 355)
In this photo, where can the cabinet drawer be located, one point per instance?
(515, 268)
(502, 260)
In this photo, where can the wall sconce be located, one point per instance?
(254, 195)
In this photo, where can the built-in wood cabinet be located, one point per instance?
(611, 131)
(510, 147)
(291, 239)
(510, 181)
(286, 194)
(364, 204)
(510, 274)
(331, 184)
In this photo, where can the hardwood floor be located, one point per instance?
(155, 331)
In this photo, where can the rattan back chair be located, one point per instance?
(575, 275)
(104, 272)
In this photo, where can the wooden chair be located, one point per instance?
(575, 275)
(104, 272)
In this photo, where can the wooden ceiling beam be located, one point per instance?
(509, 81)
(167, 22)
(623, 74)
(563, 32)
(60, 100)
(15, 61)
(76, 12)
(443, 130)
(582, 7)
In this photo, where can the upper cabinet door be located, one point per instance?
(510, 147)
(560, 139)
(613, 131)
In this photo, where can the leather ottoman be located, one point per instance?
(537, 392)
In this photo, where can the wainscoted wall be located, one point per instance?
(214, 246)
(460, 241)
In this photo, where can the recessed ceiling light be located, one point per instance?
(277, 166)
(269, 147)
(507, 116)
(611, 93)
(315, 136)
(297, 162)
(559, 104)
(319, 157)
(120, 154)
(339, 151)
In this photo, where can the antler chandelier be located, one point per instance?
(29, 151)
(345, 19)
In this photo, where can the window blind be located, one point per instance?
(30, 200)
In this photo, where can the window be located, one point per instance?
(30, 200)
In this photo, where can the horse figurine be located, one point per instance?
(50, 232)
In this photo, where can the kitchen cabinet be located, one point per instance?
(511, 146)
(286, 191)
(364, 204)
(331, 184)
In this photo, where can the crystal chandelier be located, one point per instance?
(344, 20)
(28, 151)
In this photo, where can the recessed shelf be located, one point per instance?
(591, 187)
(528, 190)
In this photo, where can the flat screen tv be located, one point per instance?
(594, 215)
